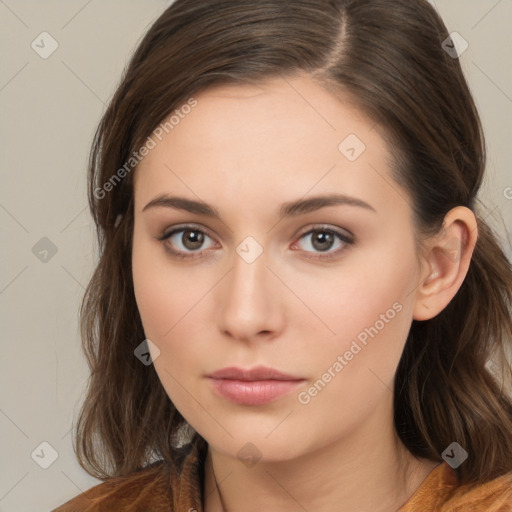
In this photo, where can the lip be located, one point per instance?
(254, 386)
(252, 374)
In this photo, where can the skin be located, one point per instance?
(246, 150)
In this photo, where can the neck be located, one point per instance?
(361, 471)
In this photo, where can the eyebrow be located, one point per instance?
(289, 209)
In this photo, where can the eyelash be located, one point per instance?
(190, 227)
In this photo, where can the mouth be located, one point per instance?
(254, 386)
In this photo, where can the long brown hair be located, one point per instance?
(389, 57)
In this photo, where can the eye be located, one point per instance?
(186, 241)
(324, 240)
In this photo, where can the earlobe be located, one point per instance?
(446, 263)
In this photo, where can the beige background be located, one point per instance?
(50, 108)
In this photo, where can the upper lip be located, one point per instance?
(251, 374)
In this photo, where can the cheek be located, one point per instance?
(154, 295)
(356, 295)
(163, 299)
(171, 305)
(368, 307)
(356, 369)
(163, 295)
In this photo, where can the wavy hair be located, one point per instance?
(454, 377)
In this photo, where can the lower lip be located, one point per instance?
(253, 392)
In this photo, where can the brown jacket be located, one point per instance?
(160, 488)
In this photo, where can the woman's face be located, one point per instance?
(275, 261)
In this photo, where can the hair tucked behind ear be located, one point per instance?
(387, 57)
(445, 389)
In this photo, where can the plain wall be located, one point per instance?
(50, 109)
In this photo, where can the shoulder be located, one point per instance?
(156, 488)
(492, 496)
(441, 492)
(150, 486)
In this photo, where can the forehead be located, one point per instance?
(283, 137)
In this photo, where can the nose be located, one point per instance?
(250, 305)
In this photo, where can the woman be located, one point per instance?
(297, 304)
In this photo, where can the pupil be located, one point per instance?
(192, 239)
(323, 241)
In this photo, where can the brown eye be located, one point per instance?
(192, 239)
(323, 240)
(186, 241)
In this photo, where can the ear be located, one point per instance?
(445, 263)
